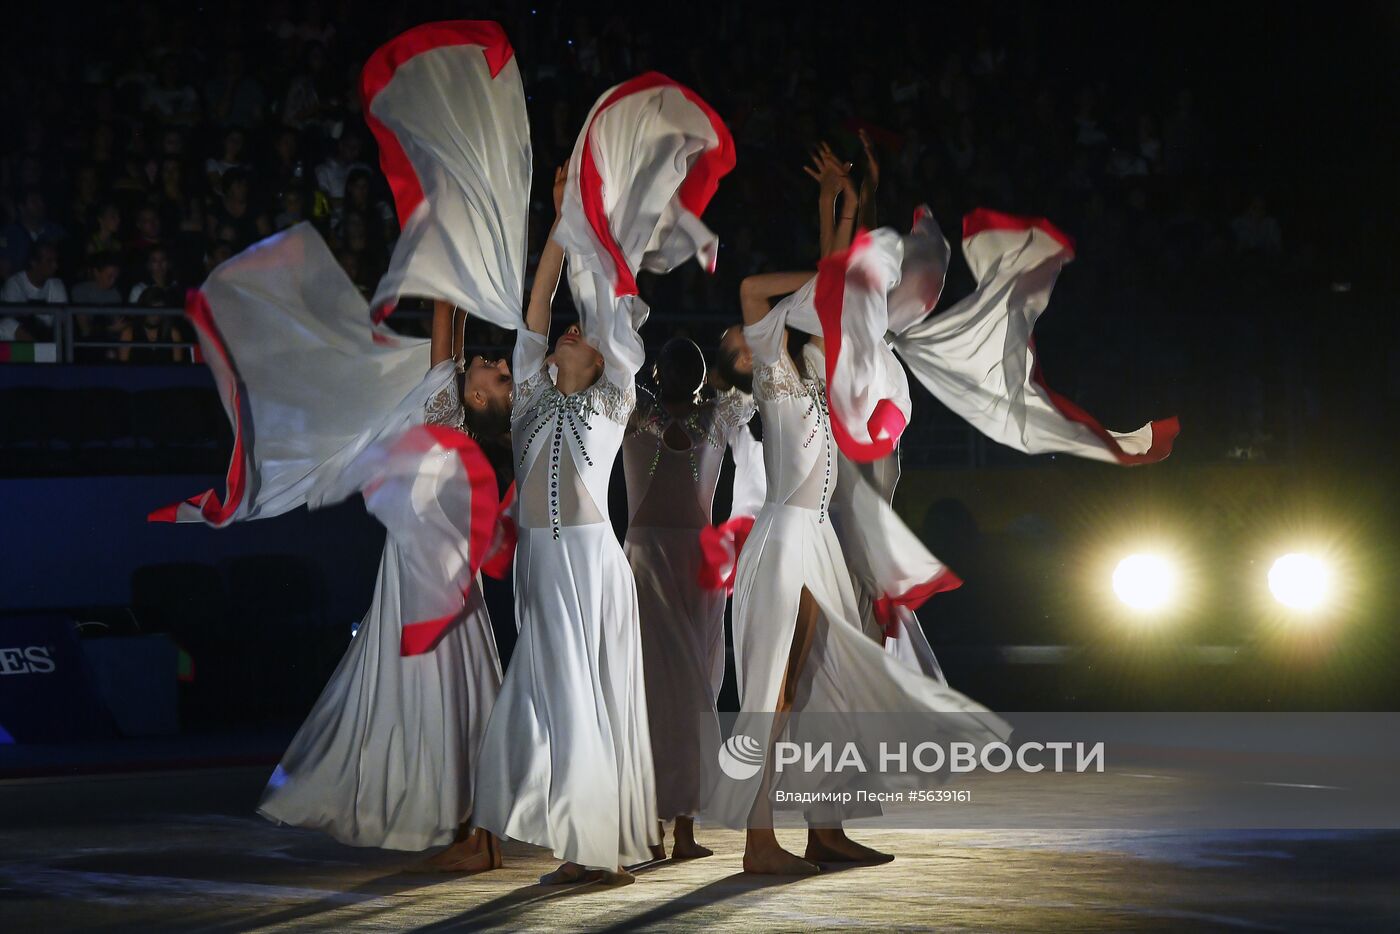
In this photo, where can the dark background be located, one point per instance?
(1171, 141)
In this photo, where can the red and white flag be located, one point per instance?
(446, 106)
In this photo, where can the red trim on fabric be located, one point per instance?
(830, 297)
(1164, 430)
(210, 508)
(420, 637)
(379, 71)
(985, 219)
(497, 565)
(701, 180)
(424, 636)
(720, 546)
(913, 598)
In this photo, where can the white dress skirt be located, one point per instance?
(670, 492)
(793, 547)
(385, 757)
(566, 760)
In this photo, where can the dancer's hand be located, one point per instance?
(561, 175)
(830, 173)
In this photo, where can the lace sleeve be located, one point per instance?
(444, 407)
(644, 418)
(776, 380)
(733, 410)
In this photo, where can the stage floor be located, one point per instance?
(182, 851)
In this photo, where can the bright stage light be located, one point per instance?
(1145, 582)
(1300, 581)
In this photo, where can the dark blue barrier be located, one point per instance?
(46, 689)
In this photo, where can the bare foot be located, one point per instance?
(690, 850)
(776, 861)
(478, 851)
(833, 846)
(617, 878)
(685, 846)
(571, 873)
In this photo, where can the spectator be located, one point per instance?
(235, 98)
(146, 232)
(1256, 231)
(234, 219)
(172, 99)
(332, 174)
(106, 234)
(85, 198)
(309, 99)
(38, 283)
(100, 288)
(293, 203)
(30, 226)
(359, 199)
(230, 156)
(159, 275)
(287, 170)
(148, 330)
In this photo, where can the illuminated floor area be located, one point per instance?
(180, 851)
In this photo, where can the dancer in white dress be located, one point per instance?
(385, 757)
(672, 457)
(797, 629)
(566, 760)
(567, 755)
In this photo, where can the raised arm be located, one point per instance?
(537, 313)
(869, 184)
(757, 292)
(829, 173)
(440, 347)
(846, 218)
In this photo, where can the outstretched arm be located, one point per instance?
(537, 313)
(756, 292)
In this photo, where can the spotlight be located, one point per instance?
(1145, 582)
(1300, 581)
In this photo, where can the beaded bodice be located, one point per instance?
(565, 446)
(798, 451)
(672, 462)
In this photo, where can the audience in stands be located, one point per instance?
(173, 136)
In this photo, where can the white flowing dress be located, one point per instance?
(670, 492)
(566, 761)
(793, 547)
(385, 757)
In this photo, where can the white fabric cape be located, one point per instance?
(646, 165)
(447, 108)
(322, 401)
(977, 357)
